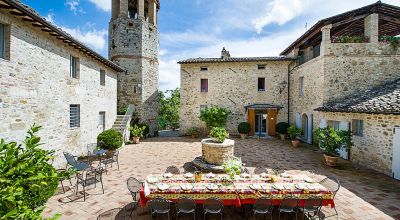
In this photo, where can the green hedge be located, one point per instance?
(109, 140)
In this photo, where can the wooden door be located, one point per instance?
(251, 118)
(272, 113)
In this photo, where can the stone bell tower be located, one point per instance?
(134, 45)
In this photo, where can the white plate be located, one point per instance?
(264, 175)
(187, 186)
(255, 186)
(188, 175)
(212, 187)
(278, 186)
(301, 186)
(152, 179)
(210, 175)
(285, 175)
(162, 186)
(168, 175)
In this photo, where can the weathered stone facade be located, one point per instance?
(374, 148)
(134, 45)
(231, 85)
(36, 87)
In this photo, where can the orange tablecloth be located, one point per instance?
(237, 192)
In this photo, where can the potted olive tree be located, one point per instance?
(244, 128)
(137, 133)
(330, 141)
(282, 129)
(293, 133)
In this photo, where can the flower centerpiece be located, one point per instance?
(233, 167)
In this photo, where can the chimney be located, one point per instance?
(225, 54)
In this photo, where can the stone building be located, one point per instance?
(339, 58)
(49, 78)
(134, 46)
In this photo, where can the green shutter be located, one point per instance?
(2, 41)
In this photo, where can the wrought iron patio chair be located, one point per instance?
(112, 157)
(159, 206)
(185, 205)
(213, 206)
(263, 206)
(89, 177)
(134, 187)
(260, 170)
(75, 164)
(312, 207)
(190, 168)
(64, 178)
(173, 170)
(333, 186)
(245, 170)
(288, 205)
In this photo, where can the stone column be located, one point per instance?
(152, 12)
(326, 39)
(123, 8)
(140, 9)
(371, 28)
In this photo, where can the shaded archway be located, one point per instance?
(305, 126)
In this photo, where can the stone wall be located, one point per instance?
(375, 148)
(134, 45)
(366, 65)
(36, 87)
(231, 85)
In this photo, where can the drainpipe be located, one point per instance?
(288, 95)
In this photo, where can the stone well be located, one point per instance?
(217, 153)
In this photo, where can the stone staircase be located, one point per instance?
(118, 123)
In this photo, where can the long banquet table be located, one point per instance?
(237, 192)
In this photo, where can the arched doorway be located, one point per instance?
(305, 126)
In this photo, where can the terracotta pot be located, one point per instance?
(283, 137)
(295, 143)
(136, 140)
(243, 136)
(193, 136)
(330, 160)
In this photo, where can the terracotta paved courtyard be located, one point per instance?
(364, 194)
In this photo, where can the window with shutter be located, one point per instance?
(2, 41)
(74, 116)
(74, 63)
(357, 127)
(204, 85)
(102, 77)
(301, 86)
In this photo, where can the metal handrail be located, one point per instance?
(126, 119)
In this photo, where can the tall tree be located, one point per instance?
(168, 115)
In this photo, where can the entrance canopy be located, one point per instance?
(263, 106)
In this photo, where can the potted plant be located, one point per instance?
(109, 140)
(194, 132)
(293, 133)
(244, 128)
(219, 134)
(282, 129)
(137, 133)
(330, 141)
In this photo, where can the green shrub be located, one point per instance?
(330, 140)
(122, 110)
(146, 130)
(27, 178)
(294, 132)
(214, 116)
(137, 131)
(244, 128)
(109, 140)
(219, 133)
(282, 127)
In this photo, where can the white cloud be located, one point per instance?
(50, 17)
(169, 74)
(94, 38)
(74, 6)
(280, 12)
(104, 5)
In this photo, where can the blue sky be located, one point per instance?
(200, 28)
